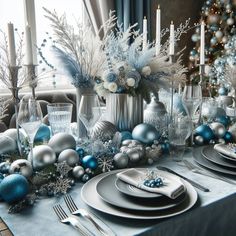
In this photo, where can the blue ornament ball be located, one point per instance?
(126, 135)
(14, 188)
(43, 134)
(145, 133)
(90, 161)
(228, 137)
(223, 91)
(80, 151)
(205, 132)
(225, 120)
(165, 147)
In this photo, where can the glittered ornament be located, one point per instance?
(62, 141)
(121, 160)
(90, 161)
(198, 140)
(103, 130)
(70, 156)
(78, 172)
(4, 167)
(134, 154)
(43, 134)
(145, 133)
(218, 129)
(14, 188)
(43, 155)
(21, 166)
(225, 120)
(228, 137)
(7, 144)
(126, 135)
(205, 132)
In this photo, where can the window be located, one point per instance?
(13, 11)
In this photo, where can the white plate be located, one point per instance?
(91, 198)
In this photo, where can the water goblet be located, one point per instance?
(89, 111)
(30, 118)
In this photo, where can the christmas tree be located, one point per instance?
(220, 19)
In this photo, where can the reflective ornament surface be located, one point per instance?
(78, 172)
(218, 129)
(21, 166)
(121, 160)
(70, 156)
(7, 144)
(90, 161)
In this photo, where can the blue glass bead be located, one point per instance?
(152, 185)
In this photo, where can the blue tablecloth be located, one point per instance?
(214, 213)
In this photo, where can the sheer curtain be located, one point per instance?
(128, 12)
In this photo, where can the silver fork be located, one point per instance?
(198, 170)
(82, 212)
(65, 219)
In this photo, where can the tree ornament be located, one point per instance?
(43, 155)
(105, 163)
(70, 156)
(90, 161)
(21, 166)
(85, 178)
(14, 188)
(126, 135)
(80, 151)
(205, 132)
(228, 137)
(7, 144)
(198, 140)
(225, 120)
(78, 172)
(62, 141)
(218, 129)
(121, 160)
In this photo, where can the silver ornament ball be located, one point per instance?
(7, 144)
(218, 129)
(78, 172)
(70, 156)
(121, 160)
(198, 140)
(62, 141)
(43, 155)
(134, 155)
(103, 130)
(21, 166)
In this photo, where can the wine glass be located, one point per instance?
(30, 118)
(89, 111)
(192, 98)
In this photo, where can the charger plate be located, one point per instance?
(91, 198)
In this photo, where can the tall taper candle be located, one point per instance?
(172, 39)
(11, 45)
(202, 44)
(158, 30)
(29, 8)
(145, 32)
(28, 46)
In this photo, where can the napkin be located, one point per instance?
(225, 149)
(172, 188)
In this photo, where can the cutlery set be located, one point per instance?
(75, 222)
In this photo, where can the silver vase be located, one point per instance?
(124, 111)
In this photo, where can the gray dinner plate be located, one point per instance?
(109, 193)
(90, 196)
(132, 191)
(212, 155)
(201, 160)
(227, 157)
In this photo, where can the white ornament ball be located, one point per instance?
(146, 70)
(219, 34)
(70, 156)
(112, 87)
(43, 155)
(230, 21)
(218, 129)
(130, 82)
(225, 39)
(12, 133)
(62, 141)
(7, 144)
(21, 166)
(78, 172)
(121, 160)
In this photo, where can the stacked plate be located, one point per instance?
(215, 160)
(108, 194)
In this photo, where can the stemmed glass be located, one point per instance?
(30, 118)
(89, 111)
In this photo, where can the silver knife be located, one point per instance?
(195, 184)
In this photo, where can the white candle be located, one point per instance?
(172, 39)
(144, 33)
(28, 46)
(29, 8)
(202, 44)
(11, 45)
(158, 30)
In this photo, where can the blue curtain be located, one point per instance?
(130, 12)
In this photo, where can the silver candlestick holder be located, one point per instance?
(13, 76)
(172, 60)
(201, 73)
(32, 77)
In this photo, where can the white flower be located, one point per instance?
(130, 82)
(146, 70)
(105, 84)
(112, 87)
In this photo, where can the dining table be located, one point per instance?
(213, 214)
